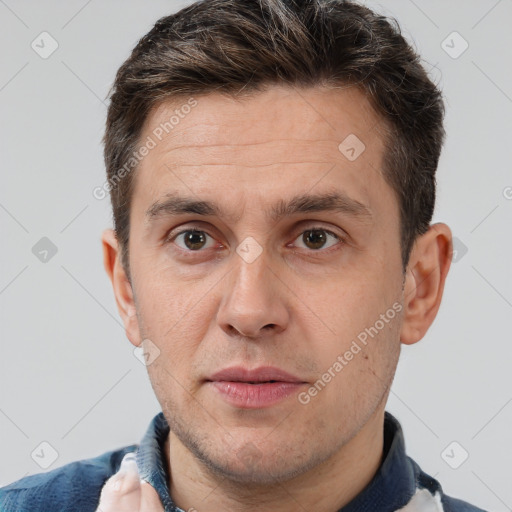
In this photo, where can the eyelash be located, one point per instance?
(334, 247)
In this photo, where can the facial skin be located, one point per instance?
(298, 306)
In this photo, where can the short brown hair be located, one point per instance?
(228, 45)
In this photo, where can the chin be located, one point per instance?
(259, 474)
(251, 466)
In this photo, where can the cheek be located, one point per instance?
(343, 306)
(173, 315)
(358, 343)
(355, 377)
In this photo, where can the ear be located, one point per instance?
(426, 273)
(121, 284)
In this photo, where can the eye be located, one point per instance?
(315, 238)
(193, 239)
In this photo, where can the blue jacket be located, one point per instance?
(76, 487)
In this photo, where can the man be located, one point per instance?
(271, 166)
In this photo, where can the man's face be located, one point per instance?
(251, 290)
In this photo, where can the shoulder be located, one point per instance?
(444, 503)
(455, 505)
(73, 487)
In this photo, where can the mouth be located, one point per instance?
(254, 389)
(258, 375)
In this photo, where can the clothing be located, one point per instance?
(398, 486)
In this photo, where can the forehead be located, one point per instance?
(310, 114)
(282, 141)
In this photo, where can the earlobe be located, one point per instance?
(424, 283)
(121, 285)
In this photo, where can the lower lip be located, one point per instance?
(255, 396)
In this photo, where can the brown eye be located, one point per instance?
(192, 239)
(317, 238)
(314, 239)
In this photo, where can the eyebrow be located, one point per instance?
(172, 205)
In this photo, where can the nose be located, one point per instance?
(254, 303)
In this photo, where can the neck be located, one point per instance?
(325, 488)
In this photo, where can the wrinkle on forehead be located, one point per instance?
(312, 113)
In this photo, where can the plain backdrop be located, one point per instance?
(69, 377)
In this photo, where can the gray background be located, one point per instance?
(68, 374)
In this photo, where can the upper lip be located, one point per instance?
(261, 374)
